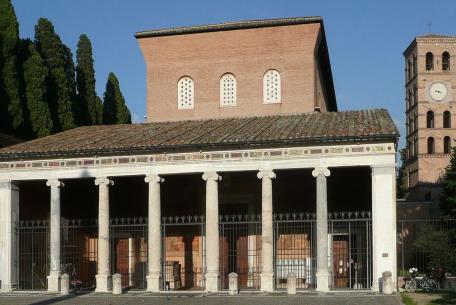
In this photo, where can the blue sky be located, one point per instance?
(366, 38)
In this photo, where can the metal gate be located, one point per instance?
(350, 249)
(33, 240)
(129, 251)
(294, 249)
(183, 252)
(240, 250)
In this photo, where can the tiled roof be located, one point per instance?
(373, 125)
(226, 26)
(7, 140)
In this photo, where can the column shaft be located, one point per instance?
(212, 232)
(154, 243)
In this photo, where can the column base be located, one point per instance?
(104, 283)
(6, 288)
(53, 280)
(267, 282)
(212, 281)
(153, 282)
(322, 281)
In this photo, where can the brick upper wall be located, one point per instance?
(248, 54)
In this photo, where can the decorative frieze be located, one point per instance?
(194, 157)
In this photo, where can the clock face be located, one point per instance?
(438, 91)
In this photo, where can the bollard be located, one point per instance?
(233, 283)
(117, 284)
(387, 282)
(65, 284)
(291, 283)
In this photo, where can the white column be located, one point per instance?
(322, 274)
(9, 215)
(212, 231)
(154, 242)
(103, 277)
(383, 224)
(54, 242)
(267, 237)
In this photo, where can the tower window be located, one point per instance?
(228, 89)
(446, 119)
(430, 145)
(447, 145)
(414, 65)
(430, 119)
(272, 87)
(445, 61)
(429, 61)
(409, 69)
(185, 93)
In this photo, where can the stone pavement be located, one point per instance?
(197, 299)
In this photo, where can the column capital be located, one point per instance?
(55, 183)
(321, 171)
(153, 178)
(9, 184)
(104, 181)
(383, 169)
(266, 174)
(212, 176)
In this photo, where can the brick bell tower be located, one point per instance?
(430, 100)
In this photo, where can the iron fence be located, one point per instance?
(426, 244)
(240, 250)
(129, 251)
(350, 249)
(183, 252)
(294, 249)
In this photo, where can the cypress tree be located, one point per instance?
(59, 60)
(115, 111)
(99, 110)
(448, 200)
(11, 117)
(35, 74)
(85, 81)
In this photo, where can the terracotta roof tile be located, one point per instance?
(373, 125)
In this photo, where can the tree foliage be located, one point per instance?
(115, 110)
(11, 116)
(448, 200)
(400, 182)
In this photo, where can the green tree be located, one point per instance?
(99, 110)
(400, 182)
(61, 88)
(11, 117)
(85, 81)
(448, 200)
(35, 76)
(115, 111)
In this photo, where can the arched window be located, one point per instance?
(445, 61)
(228, 89)
(430, 145)
(446, 119)
(272, 87)
(429, 61)
(447, 145)
(185, 93)
(430, 119)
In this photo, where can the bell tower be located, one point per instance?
(430, 110)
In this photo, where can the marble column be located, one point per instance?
(383, 224)
(54, 243)
(154, 242)
(212, 231)
(322, 275)
(267, 235)
(103, 276)
(9, 215)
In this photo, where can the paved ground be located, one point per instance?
(243, 299)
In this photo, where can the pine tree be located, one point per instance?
(85, 80)
(11, 117)
(448, 200)
(35, 74)
(59, 60)
(115, 111)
